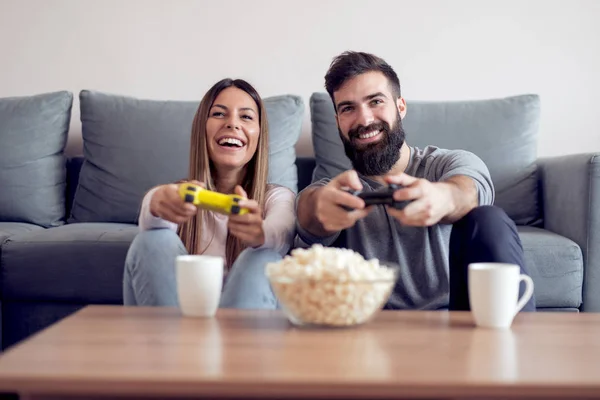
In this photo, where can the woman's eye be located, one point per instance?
(248, 117)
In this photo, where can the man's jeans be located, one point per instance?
(149, 277)
(486, 234)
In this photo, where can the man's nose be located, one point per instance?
(365, 117)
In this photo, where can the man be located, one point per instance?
(448, 222)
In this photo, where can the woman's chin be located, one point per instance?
(229, 163)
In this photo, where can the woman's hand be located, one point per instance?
(247, 227)
(168, 205)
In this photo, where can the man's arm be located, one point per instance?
(307, 217)
(462, 192)
(320, 208)
(457, 182)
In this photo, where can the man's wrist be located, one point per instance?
(449, 192)
(306, 203)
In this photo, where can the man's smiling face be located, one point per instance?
(369, 118)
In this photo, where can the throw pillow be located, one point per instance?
(33, 134)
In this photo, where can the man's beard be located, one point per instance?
(375, 159)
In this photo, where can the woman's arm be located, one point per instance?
(148, 221)
(279, 224)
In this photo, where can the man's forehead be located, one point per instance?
(363, 85)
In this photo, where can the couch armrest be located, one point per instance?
(571, 197)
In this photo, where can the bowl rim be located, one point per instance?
(288, 279)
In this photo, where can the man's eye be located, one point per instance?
(346, 109)
(376, 101)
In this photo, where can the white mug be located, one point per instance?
(494, 293)
(199, 284)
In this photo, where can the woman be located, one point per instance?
(228, 154)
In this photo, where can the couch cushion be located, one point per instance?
(306, 166)
(8, 229)
(555, 264)
(33, 134)
(77, 263)
(131, 145)
(502, 132)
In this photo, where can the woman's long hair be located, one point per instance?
(255, 178)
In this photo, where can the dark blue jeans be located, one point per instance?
(486, 234)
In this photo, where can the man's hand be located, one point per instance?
(433, 202)
(321, 210)
(247, 227)
(168, 205)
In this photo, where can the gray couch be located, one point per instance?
(65, 225)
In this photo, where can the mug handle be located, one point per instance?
(528, 292)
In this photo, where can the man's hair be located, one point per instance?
(351, 64)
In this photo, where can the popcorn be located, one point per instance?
(330, 286)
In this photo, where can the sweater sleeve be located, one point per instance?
(280, 219)
(148, 221)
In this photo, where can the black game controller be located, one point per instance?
(383, 196)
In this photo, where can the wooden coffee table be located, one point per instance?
(121, 352)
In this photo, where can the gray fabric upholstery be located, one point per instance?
(306, 166)
(131, 145)
(502, 132)
(555, 264)
(8, 229)
(571, 197)
(78, 263)
(14, 228)
(33, 134)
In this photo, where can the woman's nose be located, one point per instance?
(232, 124)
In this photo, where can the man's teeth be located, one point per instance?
(235, 142)
(368, 135)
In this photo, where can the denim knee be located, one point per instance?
(152, 242)
(149, 277)
(256, 258)
(487, 215)
(247, 285)
(489, 227)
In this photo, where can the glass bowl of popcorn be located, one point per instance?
(330, 287)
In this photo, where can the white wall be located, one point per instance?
(455, 49)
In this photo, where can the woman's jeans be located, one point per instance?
(149, 277)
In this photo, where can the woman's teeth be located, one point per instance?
(231, 141)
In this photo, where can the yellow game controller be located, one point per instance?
(209, 200)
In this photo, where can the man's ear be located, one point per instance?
(401, 104)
